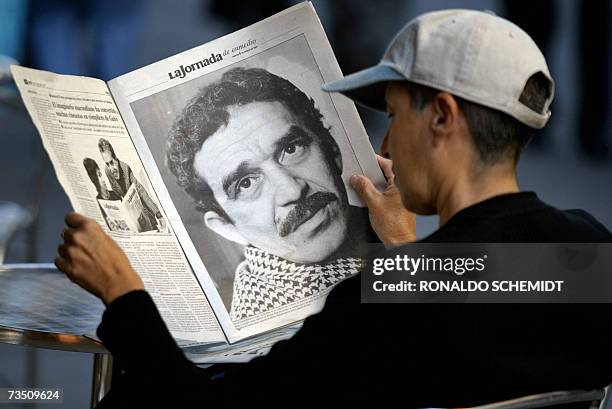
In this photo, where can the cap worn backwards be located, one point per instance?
(473, 55)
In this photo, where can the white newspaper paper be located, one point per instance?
(243, 158)
(72, 114)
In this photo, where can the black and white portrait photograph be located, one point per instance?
(255, 160)
(124, 202)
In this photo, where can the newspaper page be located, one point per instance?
(253, 161)
(241, 351)
(101, 172)
(115, 215)
(123, 215)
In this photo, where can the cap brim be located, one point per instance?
(366, 87)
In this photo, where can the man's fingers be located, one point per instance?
(68, 235)
(62, 265)
(82, 232)
(386, 165)
(70, 255)
(75, 220)
(62, 250)
(365, 189)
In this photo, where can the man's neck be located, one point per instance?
(467, 190)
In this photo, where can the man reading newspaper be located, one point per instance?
(465, 90)
(143, 214)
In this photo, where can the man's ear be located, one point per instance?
(445, 114)
(223, 227)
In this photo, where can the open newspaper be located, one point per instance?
(222, 172)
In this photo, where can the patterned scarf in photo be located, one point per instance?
(264, 281)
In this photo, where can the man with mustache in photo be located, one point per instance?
(251, 149)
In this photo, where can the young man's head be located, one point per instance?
(465, 92)
(93, 171)
(253, 152)
(108, 155)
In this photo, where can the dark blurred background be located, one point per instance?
(568, 164)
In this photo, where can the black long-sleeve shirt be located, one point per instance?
(385, 355)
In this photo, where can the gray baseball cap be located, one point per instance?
(473, 55)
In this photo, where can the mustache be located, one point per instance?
(304, 210)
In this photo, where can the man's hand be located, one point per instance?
(392, 222)
(93, 260)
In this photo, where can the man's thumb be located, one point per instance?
(365, 189)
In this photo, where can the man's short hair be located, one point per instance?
(105, 146)
(496, 135)
(208, 111)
